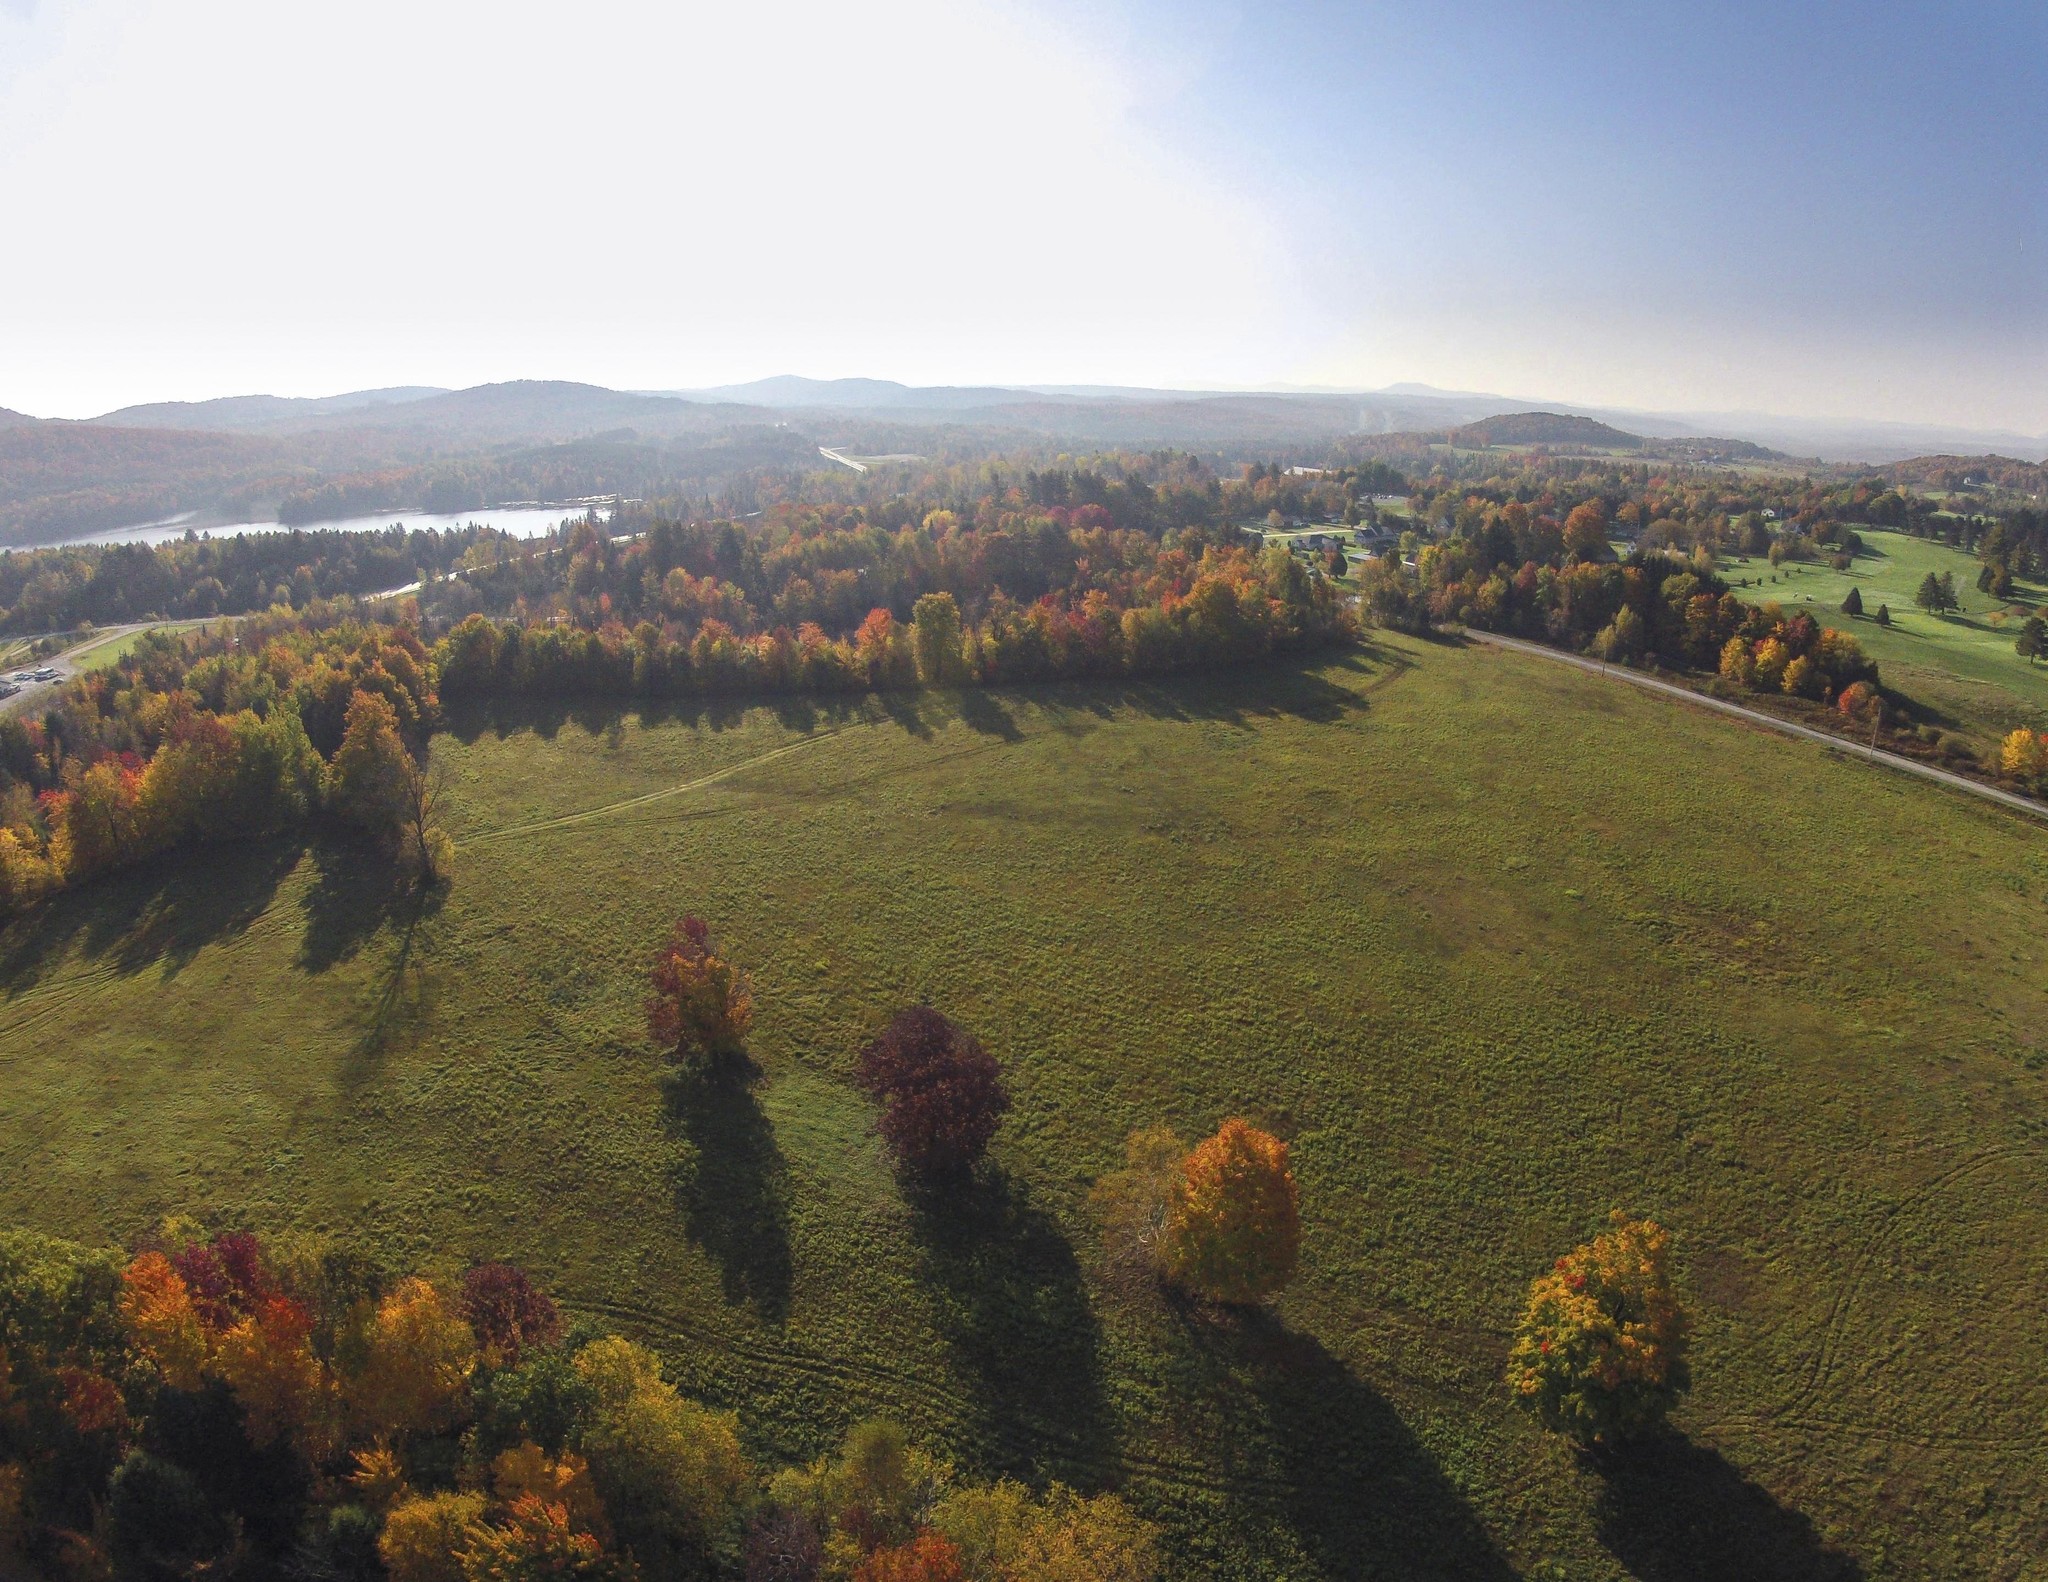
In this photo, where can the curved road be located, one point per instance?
(1838, 744)
(31, 691)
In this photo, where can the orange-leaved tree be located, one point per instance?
(929, 1557)
(1600, 1353)
(1233, 1217)
(702, 1004)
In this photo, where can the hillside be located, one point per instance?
(1543, 428)
(233, 413)
(1498, 946)
(1960, 472)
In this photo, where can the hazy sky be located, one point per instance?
(1832, 209)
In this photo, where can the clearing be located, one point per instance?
(1497, 944)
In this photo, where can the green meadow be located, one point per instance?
(1497, 944)
(1960, 666)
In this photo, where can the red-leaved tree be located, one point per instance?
(942, 1093)
(509, 1313)
(702, 1004)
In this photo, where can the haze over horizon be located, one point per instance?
(1789, 210)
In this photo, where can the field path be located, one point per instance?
(1875, 755)
(589, 815)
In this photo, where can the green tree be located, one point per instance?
(2033, 639)
(1853, 604)
(935, 634)
(1884, 615)
(671, 1472)
(1928, 596)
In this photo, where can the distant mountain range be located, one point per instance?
(408, 448)
(543, 410)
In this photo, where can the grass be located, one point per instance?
(1961, 666)
(1498, 945)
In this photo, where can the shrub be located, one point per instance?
(1600, 1351)
(1233, 1227)
(942, 1093)
(702, 1004)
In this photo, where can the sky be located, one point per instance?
(1827, 210)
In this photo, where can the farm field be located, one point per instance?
(1962, 666)
(1498, 946)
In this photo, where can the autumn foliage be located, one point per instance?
(1233, 1228)
(702, 1005)
(942, 1093)
(1600, 1352)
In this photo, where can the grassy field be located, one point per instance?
(1961, 666)
(1497, 944)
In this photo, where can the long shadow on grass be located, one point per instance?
(162, 912)
(735, 1193)
(403, 985)
(1304, 1442)
(1013, 1308)
(356, 890)
(1674, 1511)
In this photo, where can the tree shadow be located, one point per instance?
(1305, 1439)
(401, 989)
(735, 1194)
(1675, 1511)
(357, 890)
(984, 711)
(161, 912)
(1014, 1310)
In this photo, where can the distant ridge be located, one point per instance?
(257, 411)
(1544, 428)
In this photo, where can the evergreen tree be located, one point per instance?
(1853, 604)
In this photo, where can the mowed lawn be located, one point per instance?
(1497, 944)
(1961, 665)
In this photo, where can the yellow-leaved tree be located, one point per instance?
(417, 1353)
(1600, 1352)
(157, 1306)
(671, 1473)
(1233, 1217)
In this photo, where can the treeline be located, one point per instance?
(222, 737)
(45, 590)
(1147, 611)
(1512, 570)
(215, 1405)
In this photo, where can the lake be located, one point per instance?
(521, 521)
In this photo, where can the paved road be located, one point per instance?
(1838, 744)
(33, 692)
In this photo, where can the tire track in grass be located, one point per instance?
(647, 798)
(906, 1383)
(1821, 1370)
